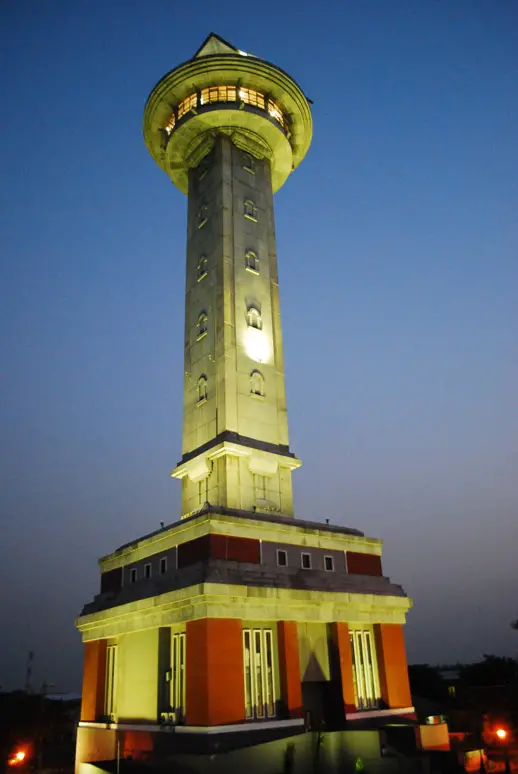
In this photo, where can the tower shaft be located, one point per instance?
(235, 433)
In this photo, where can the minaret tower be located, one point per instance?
(238, 623)
(229, 128)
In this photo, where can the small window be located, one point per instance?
(305, 561)
(203, 169)
(257, 384)
(147, 571)
(329, 563)
(202, 326)
(202, 389)
(252, 262)
(202, 215)
(201, 269)
(250, 210)
(249, 163)
(133, 575)
(163, 565)
(253, 318)
(282, 558)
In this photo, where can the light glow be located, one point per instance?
(501, 733)
(17, 758)
(257, 345)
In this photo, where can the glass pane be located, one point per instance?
(355, 677)
(247, 658)
(259, 676)
(270, 682)
(369, 689)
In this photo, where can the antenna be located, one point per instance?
(28, 672)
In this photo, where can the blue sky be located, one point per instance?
(397, 244)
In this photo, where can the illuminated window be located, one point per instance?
(254, 319)
(202, 389)
(451, 691)
(259, 673)
(249, 163)
(177, 676)
(250, 210)
(218, 94)
(110, 685)
(252, 97)
(276, 113)
(202, 326)
(202, 215)
(305, 561)
(189, 103)
(163, 565)
(252, 261)
(257, 384)
(282, 558)
(201, 269)
(170, 124)
(329, 564)
(147, 571)
(365, 672)
(133, 575)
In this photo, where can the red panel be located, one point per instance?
(197, 550)
(243, 550)
(218, 546)
(289, 668)
(111, 581)
(215, 684)
(392, 665)
(340, 635)
(363, 564)
(215, 546)
(92, 700)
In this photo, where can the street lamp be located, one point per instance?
(501, 734)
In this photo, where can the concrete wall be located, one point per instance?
(137, 676)
(313, 652)
(231, 350)
(305, 753)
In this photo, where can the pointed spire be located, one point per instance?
(213, 44)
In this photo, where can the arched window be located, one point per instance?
(252, 261)
(257, 384)
(253, 318)
(250, 210)
(201, 269)
(202, 215)
(202, 389)
(249, 163)
(202, 325)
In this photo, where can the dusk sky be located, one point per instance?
(397, 245)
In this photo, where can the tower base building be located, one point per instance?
(235, 636)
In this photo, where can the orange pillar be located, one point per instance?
(340, 636)
(289, 668)
(92, 700)
(215, 683)
(392, 665)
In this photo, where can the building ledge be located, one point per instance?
(246, 726)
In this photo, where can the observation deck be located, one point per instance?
(222, 89)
